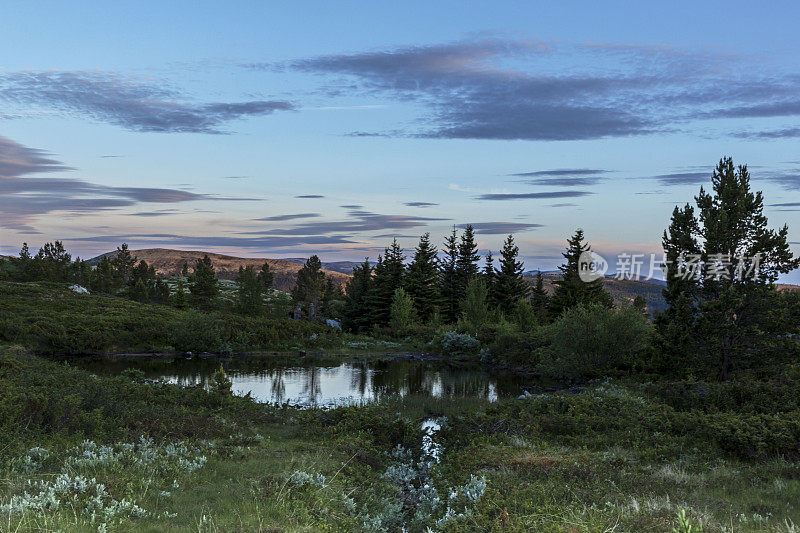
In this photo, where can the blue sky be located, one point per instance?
(268, 129)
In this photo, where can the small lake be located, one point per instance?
(323, 380)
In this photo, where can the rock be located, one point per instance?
(79, 289)
(333, 323)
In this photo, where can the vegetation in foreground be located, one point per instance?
(82, 452)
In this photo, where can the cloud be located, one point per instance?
(279, 218)
(560, 172)
(563, 205)
(494, 88)
(359, 221)
(351, 206)
(787, 133)
(683, 178)
(787, 204)
(788, 179)
(148, 214)
(310, 196)
(500, 228)
(127, 102)
(23, 199)
(533, 195)
(580, 181)
(234, 177)
(212, 241)
(420, 204)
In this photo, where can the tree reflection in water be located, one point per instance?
(325, 380)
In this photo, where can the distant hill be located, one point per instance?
(169, 262)
(344, 267)
(622, 291)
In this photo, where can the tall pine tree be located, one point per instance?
(422, 278)
(388, 277)
(450, 295)
(467, 261)
(203, 283)
(540, 300)
(571, 290)
(310, 286)
(356, 306)
(509, 287)
(724, 308)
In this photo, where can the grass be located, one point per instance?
(635, 471)
(51, 319)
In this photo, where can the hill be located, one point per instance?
(622, 291)
(169, 262)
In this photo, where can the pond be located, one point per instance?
(323, 380)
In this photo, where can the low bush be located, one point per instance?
(590, 341)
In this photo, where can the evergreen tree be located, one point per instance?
(510, 287)
(475, 305)
(571, 290)
(160, 292)
(103, 278)
(450, 294)
(539, 299)
(249, 300)
(203, 283)
(180, 301)
(388, 278)
(356, 306)
(422, 278)
(489, 275)
(139, 292)
(24, 265)
(467, 261)
(266, 277)
(401, 311)
(185, 270)
(722, 264)
(310, 286)
(123, 262)
(332, 299)
(53, 262)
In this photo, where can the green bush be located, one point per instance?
(588, 341)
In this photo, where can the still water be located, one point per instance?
(324, 380)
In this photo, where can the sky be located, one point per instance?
(275, 129)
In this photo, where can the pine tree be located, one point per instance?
(123, 262)
(510, 287)
(571, 290)
(180, 301)
(726, 310)
(422, 278)
(203, 283)
(139, 292)
(249, 300)
(467, 261)
(266, 277)
(310, 286)
(141, 282)
(332, 299)
(489, 275)
(450, 295)
(356, 307)
(389, 273)
(24, 265)
(540, 300)
(103, 277)
(185, 270)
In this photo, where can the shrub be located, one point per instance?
(453, 343)
(586, 341)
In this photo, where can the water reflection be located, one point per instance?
(324, 381)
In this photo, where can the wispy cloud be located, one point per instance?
(359, 221)
(420, 204)
(280, 218)
(534, 195)
(310, 196)
(131, 103)
(517, 89)
(23, 199)
(500, 228)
